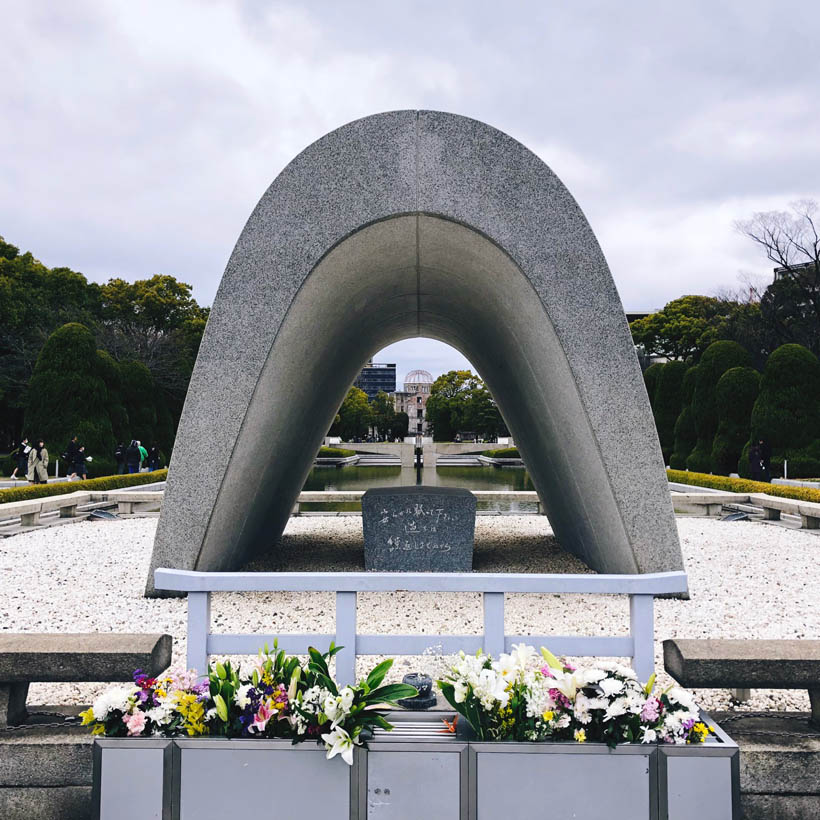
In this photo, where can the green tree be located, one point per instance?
(686, 434)
(34, 302)
(650, 380)
(355, 416)
(401, 425)
(715, 361)
(481, 413)
(735, 396)
(383, 413)
(683, 329)
(157, 322)
(67, 396)
(668, 403)
(786, 414)
(447, 406)
(109, 372)
(138, 392)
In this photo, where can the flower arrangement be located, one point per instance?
(525, 696)
(278, 697)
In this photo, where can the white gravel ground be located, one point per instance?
(747, 580)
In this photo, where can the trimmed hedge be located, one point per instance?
(503, 452)
(685, 434)
(110, 482)
(716, 360)
(786, 414)
(667, 404)
(650, 379)
(67, 396)
(334, 452)
(743, 485)
(734, 396)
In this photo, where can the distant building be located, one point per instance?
(413, 400)
(376, 377)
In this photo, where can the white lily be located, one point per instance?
(338, 741)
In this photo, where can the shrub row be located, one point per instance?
(503, 452)
(110, 482)
(334, 452)
(743, 485)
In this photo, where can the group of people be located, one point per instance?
(31, 461)
(131, 458)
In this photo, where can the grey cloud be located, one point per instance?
(143, 134)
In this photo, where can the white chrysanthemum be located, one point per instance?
(160, 715)
(120, 698)
(581, 709)
(615, 709)
(675, 695)
(592, 675)
(611, 686)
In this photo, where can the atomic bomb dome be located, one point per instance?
(419, 377)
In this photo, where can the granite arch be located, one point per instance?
(417, 223)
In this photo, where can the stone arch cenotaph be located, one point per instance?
(417, 223)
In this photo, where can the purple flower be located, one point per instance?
(560, 698)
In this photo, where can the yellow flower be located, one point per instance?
(702, 731)
(548, 716)
(99, 729)
(87, 716)
(581, 735)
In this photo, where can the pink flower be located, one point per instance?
(547, 672)
(262, 717)
(650, 710)
(135, 723)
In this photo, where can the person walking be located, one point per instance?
(119, 457)
(38, 463)
(80, 468)
(70, 456)
(143, 454)
(132, 457)
(765, 461)
(153, 458)
(754, 461)
(21, 458)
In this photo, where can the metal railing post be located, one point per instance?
(199, 625)
(494, 623)
(346, 637)
(642, 630)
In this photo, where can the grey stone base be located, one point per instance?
(12, 703)
(780, 806)
(60, 803)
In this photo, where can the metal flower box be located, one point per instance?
(415, 772)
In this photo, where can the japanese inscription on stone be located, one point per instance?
(418, 529)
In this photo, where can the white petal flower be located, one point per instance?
(338, 741)
(611, 686)
(649, 735)
(346, 698)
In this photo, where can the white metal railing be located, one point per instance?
(638, 645)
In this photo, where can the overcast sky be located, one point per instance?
(137, 137)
